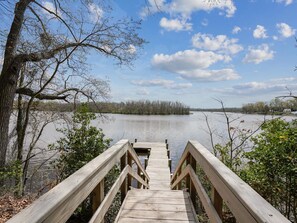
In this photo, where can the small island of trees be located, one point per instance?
(144, 107)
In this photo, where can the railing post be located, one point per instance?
(180, 183)
(139, 174)
(97, 195)
(124, 184)
(217, 201)
(145, 163)
(170, 165)
(193, 192)
(188, 179)
(130, 164)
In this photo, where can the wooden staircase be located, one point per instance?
(159, 197)
(159, 203)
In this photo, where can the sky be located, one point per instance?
(235, 51)
(239, 52)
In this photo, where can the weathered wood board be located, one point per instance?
(156, 206)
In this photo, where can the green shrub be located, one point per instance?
(272, 165)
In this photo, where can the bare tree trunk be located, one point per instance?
(8, 85)
(9, 77)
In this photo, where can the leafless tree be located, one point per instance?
(237, 139)
(52, 36)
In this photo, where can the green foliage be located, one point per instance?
(82, 143)
(272, 166)
(275, 106)
(231, 160)
(8, 175)
(142, 107)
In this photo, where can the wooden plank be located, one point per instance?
(97, 196)
(157, 200)
(139, 220)
(157, 207)
(160, 186)
(124, 186)
(157, 166)
(168, 215)
(158, 193)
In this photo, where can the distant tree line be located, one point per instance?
(234, 110)
(144, 107)
(275, 106)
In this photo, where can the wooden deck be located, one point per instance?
(159, 203)
(158, 165)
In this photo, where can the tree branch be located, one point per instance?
(41, 96)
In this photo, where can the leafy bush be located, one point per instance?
(82, 143)
(272, 166)
(8, 176)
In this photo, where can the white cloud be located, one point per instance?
(285, 30)
(169, 84)
(260, 32)
(210, 75)
(276, 86)
(185, 60)
(236, 29)
(287, 2)
(187, 7)
(258, 54)
(96, 13)
(219, 43)
(192, 64)
(175, 24)
(50, 6)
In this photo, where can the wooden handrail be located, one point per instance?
(59, 203)
(205, 200)
(101, 211)
(137, 161)
(244, 202)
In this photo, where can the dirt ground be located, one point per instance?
(10, 206)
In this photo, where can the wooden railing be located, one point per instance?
(58, 204)
(245, 204)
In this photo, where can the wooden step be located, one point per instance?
(156, 206)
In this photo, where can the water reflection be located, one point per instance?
(177, 129)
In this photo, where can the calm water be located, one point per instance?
(177, 129)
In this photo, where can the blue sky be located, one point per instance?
(236, 51)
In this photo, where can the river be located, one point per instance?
(177, 129)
